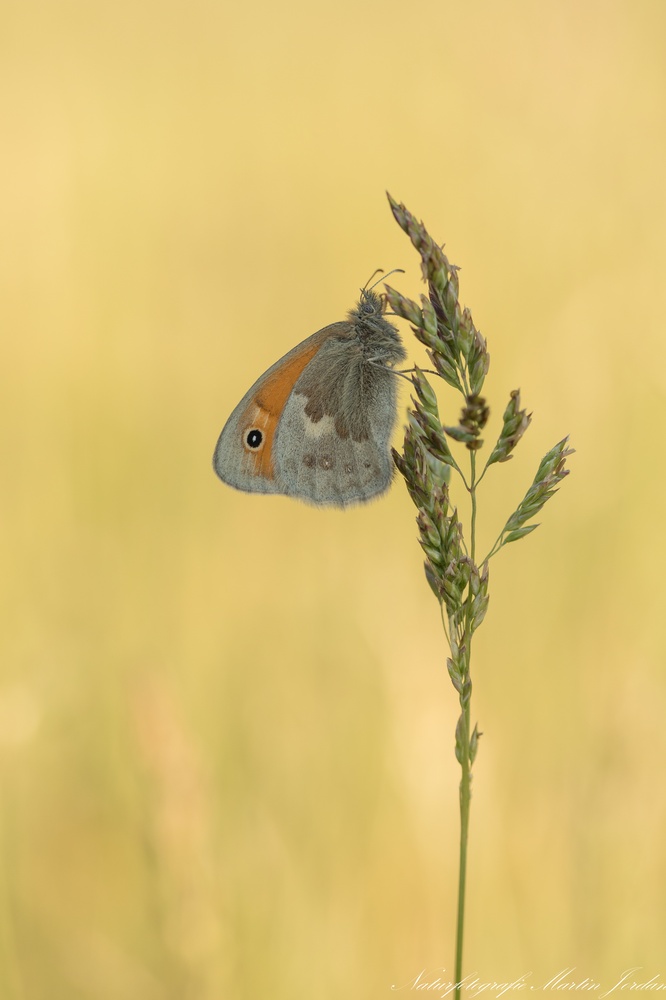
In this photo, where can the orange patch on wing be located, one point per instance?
(266, 408)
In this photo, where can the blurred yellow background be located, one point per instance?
(226, 728)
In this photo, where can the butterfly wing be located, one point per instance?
(332, 441)
(244, 454)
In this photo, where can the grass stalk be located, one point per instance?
(459, 356)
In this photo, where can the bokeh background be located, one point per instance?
(226, 728)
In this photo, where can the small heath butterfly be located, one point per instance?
(317, 425)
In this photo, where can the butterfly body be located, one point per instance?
(317, 424)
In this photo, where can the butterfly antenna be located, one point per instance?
(396, 270)
(380, 270)
(368, 287)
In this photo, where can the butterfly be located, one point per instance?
(317, 425)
